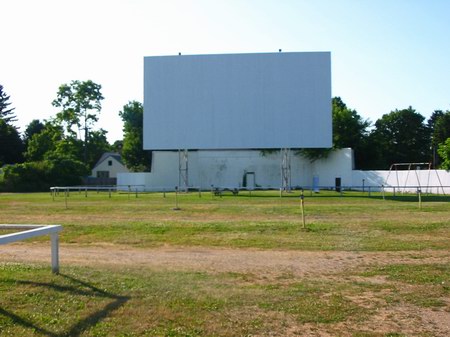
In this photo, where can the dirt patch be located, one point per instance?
(266, 263)
(270, 266)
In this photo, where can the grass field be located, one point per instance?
(230, 266)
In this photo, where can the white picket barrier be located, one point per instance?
(29, 231)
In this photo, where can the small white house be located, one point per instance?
(108, 166)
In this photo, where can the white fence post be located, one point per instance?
(29, 231)
(54, 237)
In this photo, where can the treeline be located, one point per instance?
(61, 150)
(401, 136)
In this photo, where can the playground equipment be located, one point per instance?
(417, 169)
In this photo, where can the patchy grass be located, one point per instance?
(430, 274)
(95, 303)
(424, 285)
(132, 301)
(257, 220)
(382, 299)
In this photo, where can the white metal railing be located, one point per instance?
(29, 231)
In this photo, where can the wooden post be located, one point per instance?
(419, 192)
(302, 206)
(176, 199)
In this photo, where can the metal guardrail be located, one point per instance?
(235, 190)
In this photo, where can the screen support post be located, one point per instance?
(286, 169)
(183, 176)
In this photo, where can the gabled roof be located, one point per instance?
(107, 155)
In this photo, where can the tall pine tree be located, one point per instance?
(11, 145)
(6, 113)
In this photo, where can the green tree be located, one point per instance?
(439, 124)
(52, 144)
(66, 148)
(118, 146)
(401, 137)
(45, 142)
(444, 152)
(431, 123)
(133, 154)
(313, 154)
(97, 146)
(6, 113)
(350, 130)
(41, 175)
(434, 116)
(11, 146)
(441, 129)
(80, 103)
(33, 128)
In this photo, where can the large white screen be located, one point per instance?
(237, 101)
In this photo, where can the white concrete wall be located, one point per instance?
(137, 180)
(339, 164)
(404, 181)
(226, 169)
(164, 175)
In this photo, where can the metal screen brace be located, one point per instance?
(286, 169)
(183, 176)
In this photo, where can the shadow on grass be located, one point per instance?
(79, 327)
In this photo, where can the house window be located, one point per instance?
(102, 174)
(109, 162)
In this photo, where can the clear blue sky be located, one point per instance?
(386, 54)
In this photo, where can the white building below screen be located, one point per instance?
(249, 169)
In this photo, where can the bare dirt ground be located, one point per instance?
(265, 265)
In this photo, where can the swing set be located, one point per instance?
(415, 168)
